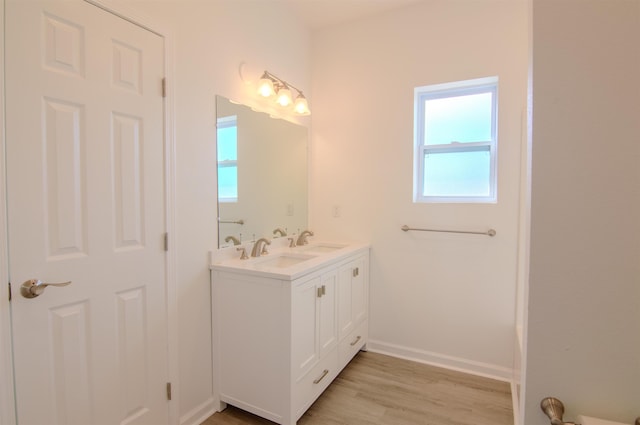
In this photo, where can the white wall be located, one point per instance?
(442, 298)
(211, 39)
(583, 339)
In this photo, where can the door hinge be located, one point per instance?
(169, 391)
(9, 291)
(166, 242)
(164, 87)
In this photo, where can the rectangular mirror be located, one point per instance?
(262, 174)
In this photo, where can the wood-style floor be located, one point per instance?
(378, 389)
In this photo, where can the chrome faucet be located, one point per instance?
(259, 247)
(302, 239)
(235, 240)
(279, 230)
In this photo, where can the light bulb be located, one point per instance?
(265, 86)
(284, 96)
(301, 106)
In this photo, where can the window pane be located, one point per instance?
(458, 119)
(228, 183)
(457, 173)
(228, 143)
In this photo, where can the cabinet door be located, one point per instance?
(352, 293)
(328, 315)
(305, 315)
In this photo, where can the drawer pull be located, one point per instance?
(324, 373)
(356, 341)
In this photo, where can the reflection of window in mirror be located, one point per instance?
(228, 159)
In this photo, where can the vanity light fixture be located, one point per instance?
(270, 85)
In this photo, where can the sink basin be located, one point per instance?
(322, 248)
(283, 260)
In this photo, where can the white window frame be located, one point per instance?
(437, 91)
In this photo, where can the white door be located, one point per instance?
(85, 147)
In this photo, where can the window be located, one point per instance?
(228, 159)
(455, 141)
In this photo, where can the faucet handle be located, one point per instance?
(292, 242)
(243, 255)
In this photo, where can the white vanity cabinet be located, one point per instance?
(280, 339)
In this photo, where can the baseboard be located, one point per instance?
(440, 360)
(252, 409)
(516, 403)
(199, 414)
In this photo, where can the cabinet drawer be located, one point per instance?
(309, 387)
(352, 343)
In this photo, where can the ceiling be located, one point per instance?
(317, 14)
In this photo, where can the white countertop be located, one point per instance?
(287, 263)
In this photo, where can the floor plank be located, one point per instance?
(384, 390)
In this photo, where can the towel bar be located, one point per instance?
(490, 232)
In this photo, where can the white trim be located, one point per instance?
(7, 398)
(7, 394)
(200, 413)
(464, 84)
(172, 254)
(515, 403)
(471, 367)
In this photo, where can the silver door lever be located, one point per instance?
(34, 287)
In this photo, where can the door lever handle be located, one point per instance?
(34, 287)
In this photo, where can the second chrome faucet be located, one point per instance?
(302, 239)
(260, 247)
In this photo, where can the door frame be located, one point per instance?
(8, 409)
(7, 397)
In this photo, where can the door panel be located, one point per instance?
(85, 165)
(305, 317)
(327, 323)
